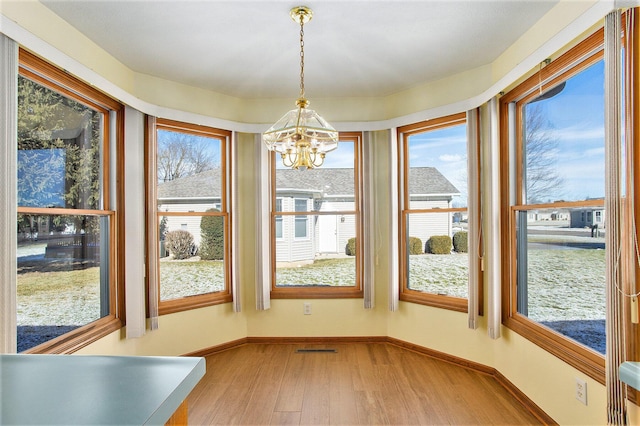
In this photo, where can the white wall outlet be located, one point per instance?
(306, 308)
(581, 391)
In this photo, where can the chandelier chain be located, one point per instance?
(301, 56)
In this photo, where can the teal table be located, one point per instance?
(94, 390)
(630, 374)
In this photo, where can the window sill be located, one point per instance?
(435, 300)
(193, 302)
(317, 293)
(79, 338)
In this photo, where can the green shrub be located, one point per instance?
(180, 244)
(350, 249)
(415, 245)
(438, 244)
(212, 233)
(461, 242)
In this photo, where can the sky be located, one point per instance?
(575, 118)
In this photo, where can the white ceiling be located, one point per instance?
(250, 49)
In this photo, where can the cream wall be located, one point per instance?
(544, 378)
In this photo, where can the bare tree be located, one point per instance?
(181, 154)
(542, 178)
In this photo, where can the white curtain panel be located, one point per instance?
(492, 234)
(394, 213)
(369, 230)
(152, 231)
(8, 192)
(474, 222)
(263, 213)
(232, 164)
(134, 236)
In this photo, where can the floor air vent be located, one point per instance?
(304, 351)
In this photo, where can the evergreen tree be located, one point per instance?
(212, 234)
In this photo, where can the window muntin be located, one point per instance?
(67, 281)
(554, 291)
(434, 210)
(311, 257)
(192, 216)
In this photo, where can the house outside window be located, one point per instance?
(315, 254)
(66, 225)
(192, 216)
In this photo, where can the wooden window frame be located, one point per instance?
(569, 64)
(58, 80)
(406, 294)
(322, 292)
(207, 299)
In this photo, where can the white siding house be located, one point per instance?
(300, 238)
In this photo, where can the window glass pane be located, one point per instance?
(438, 260)
(63, 275)
(301, 221)
(59, 150)
(191, 258)
(561, 272)
(330, 263)
(564, 137)
(189, 172)
(311, 249)
(438, 168)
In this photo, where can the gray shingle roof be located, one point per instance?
(330, 181)
(205, 184)
(422, 180)
(428, 180)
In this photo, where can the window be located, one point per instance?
(434, 225)
(67, 280)
(555, 274)
(316, 254)
(301, 221)
(193, 214)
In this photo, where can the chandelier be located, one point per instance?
(301, 136)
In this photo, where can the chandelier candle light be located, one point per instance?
(301, 136)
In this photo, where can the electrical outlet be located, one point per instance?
(306, 308)
(581, 391)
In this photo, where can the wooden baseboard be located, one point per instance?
(526, 402)
(318, 340)
(218, 348)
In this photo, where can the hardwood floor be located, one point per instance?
(359, 384)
